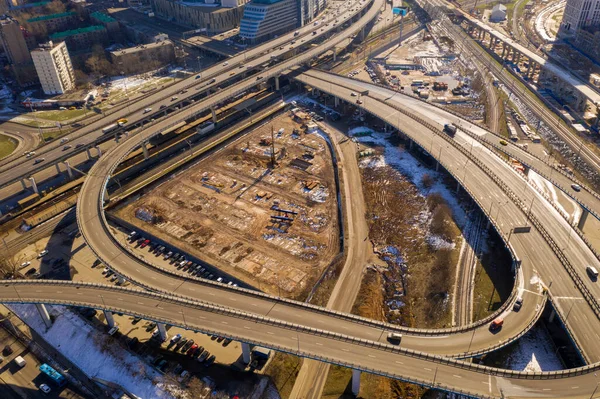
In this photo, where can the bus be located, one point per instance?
(54, 375)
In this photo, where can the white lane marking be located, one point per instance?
(224, 322)
(399, 362)
(211, 293)
(346, 350)
(373, 356)
(318, 343)
(427, 369)
(233, 299)
(202, 317)
(457, 376)
(490, 382)
(140, 303)
(247, 328)
(270, 333)
(575, 387)
(38, 291)
(546, 389)
(59, 292)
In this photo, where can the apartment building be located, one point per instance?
(55, 22)
(54, 68)
(13, 40)
(144, 57)
(83, 38)
(263, 19)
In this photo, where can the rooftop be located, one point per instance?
(100, 16)
(31, 5)
(141, 47)
(73, 32)
(51, 16)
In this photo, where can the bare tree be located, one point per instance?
(9, 265)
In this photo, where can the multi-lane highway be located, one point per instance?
(550, 256)
(243, 64)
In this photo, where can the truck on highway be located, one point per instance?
(19, 361)
(110, 128)
(450, 129)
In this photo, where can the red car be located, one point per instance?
(192, 349)
(145, 243)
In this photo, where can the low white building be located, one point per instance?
(498, 13)
(54, 68)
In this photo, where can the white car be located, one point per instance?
(113, 330)
(45, 388)
(42, 254)
(25, 264)
(147, 110)
(225, 63)
(353, 94)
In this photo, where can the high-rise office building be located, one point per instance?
(263, 19)
(54, 68)
(13, 41)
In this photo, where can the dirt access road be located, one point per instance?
(312, 376)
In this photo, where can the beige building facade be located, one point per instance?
(53, 66)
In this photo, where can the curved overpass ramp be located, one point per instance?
(343, 349)
(550, 252)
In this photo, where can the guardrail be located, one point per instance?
(186, 303)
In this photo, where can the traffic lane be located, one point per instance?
(456, 376)
(216, 71)
(538, 248)
(10, 194)
(442, 117)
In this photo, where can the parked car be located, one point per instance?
(42, 254)
(45, 388)
(113, 330)
(576, 187)
(518, 304)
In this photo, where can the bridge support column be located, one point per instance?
(503, 50)
(552, 316)
(110, 320)
(162, 331)
(246, 353)
(528, 68)
(57, 166)
(44, 314)
(491, 41)
(518, 58)
(89, 154)
(33, 185)
(23, 184)
(99, 151)
(457, 187)
(582, 219)
(214, 114)
(69, 170)
(277, 83)
(355, 382)
(336, 102)
(116, 137)
(437, 166)
(410, 145)
(145, 150)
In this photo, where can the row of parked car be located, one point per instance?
(176, 259)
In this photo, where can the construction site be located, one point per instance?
(262, 209)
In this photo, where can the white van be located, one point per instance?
(20, 361)
(395, 338)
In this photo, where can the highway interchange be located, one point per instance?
(343, 339)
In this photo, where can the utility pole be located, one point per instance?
(272, 147)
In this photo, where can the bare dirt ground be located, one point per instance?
(225, 208)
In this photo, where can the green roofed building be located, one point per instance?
(111, 24)
(56, 22)
(82, 38)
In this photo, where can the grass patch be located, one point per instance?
(283, 370)
(59, 116)
(493, 281)
(7, 145)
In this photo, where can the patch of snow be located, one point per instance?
(437, 243)
(102, 358)
(409, 166)
(374, 162)
(534, 352)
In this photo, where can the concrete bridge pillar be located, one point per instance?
(57, 166)
(457, 187)
(162, 331)
(246, 352)
(89, 154)
(503, 50)
(336, 102)
(491, 41)
(583, 218)
(116, 137)
(528, 68)
(69, 170)
(277, 83)
(44, 314)
(110, 320)
(33, 185)
(518, 57)
(355, 382)
(145, 150)
(437, 166)
(99, 151)
(23, 184)
(552, 316)
(334, 55)
(410, 145)
(214, 114)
